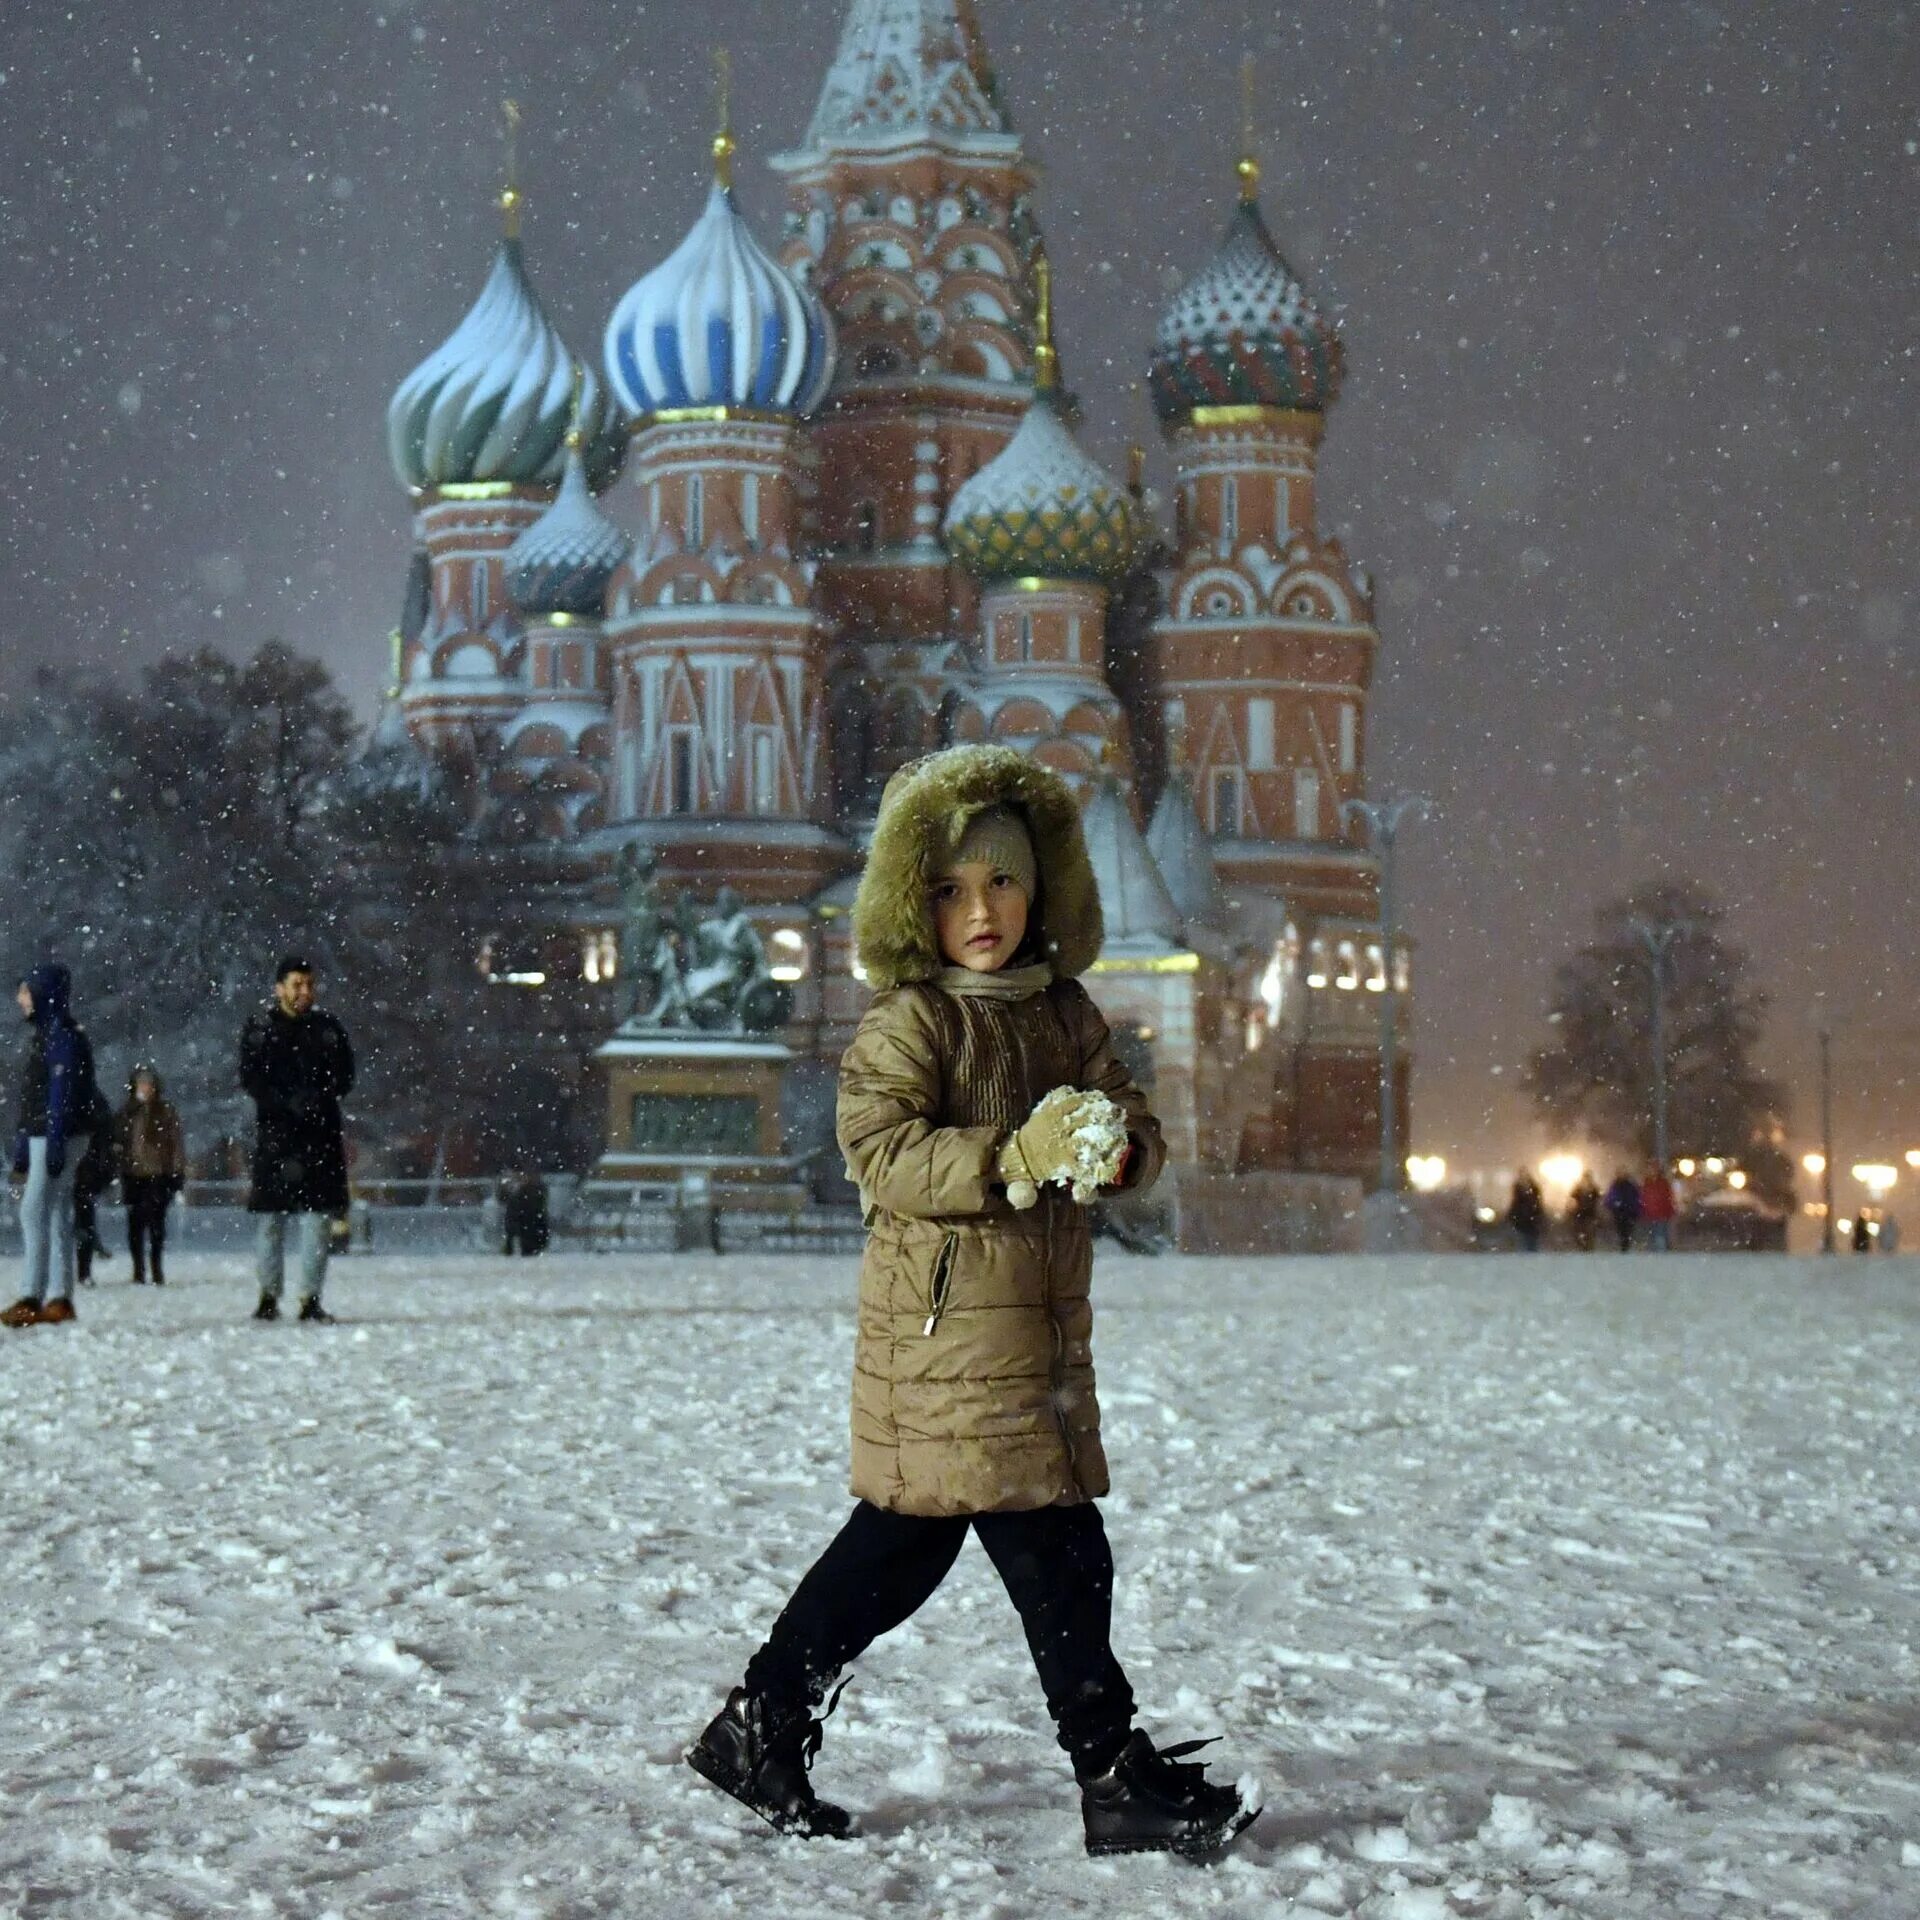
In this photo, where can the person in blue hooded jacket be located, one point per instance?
(60, 1107)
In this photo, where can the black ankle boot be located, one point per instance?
(759, 1750)
(1149, 1802)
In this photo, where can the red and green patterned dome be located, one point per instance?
(1243, 333)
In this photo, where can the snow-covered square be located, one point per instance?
(1528, 1587)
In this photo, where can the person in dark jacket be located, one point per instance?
(523, 1213)
(1623, 1203)
(60, 1106)
(296, 1066)
(153, 1168)
(1583, 1212)
(1527, 1212)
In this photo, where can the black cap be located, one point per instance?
(291, 963)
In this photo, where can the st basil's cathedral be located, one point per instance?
(821, 507)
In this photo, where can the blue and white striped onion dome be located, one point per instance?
(719, 323)
(563, 562)
(495, 401)
(1043, 506)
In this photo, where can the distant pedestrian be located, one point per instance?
(91, 1178)
(523, 1213)
(1863, 1231)
(297, 1066)
(1527, 1212)
(1657, 1208)
(1583, 1212)
(1624, 1202)
(60, 1106)
(153, 1168)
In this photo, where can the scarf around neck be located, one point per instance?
(1010, 983)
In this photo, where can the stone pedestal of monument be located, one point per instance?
(699, 1112)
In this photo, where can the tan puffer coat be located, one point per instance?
(973, 1365)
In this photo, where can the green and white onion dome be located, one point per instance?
(719, 323)
(1042, 507)
(563, 562)
(494, 403)
(1243, 333)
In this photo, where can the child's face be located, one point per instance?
(980, 916)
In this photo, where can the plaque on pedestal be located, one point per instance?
(684, 1103)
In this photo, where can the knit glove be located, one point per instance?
(1074, 1138)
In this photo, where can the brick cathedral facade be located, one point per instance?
(822, 509)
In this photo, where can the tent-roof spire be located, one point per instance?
(910, 69)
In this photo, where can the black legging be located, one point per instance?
(881, 1568)
(147, 1200)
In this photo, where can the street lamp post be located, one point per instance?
(1384, 820)
(1659, 938)
(1826, 1139)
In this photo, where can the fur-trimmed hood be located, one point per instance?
(923, 814)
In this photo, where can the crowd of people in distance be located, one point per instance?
(71, 1145)
(1629, 1204)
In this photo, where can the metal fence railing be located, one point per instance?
(375, 1193)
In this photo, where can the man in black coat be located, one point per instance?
(297, 1066)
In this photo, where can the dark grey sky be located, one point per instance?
(1630, 434)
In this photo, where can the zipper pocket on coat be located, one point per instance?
(942, 1282)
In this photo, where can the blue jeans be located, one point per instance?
(46, 1220)
(314, 1233)
(1659, 1236)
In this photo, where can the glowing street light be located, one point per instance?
(1816, 1163)
(1562, 1169)
(1876, 1178)
(1913, 1157)
(1426, 1172)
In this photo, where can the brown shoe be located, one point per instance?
(55, 1312)
(23, 1313)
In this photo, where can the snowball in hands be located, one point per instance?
(1074, 1137)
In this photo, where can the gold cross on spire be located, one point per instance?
(1249, 166)
(1046, 363)
(510, 196)
(576, 437)
(723, 140)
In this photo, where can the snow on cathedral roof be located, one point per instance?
(1242, 332)
(1042, 506)
(719, 323)
(910, 70)
(493, 401)
(1183, 854)
(1134, 902)
(562, 563)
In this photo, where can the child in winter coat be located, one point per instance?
(981, 1106)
